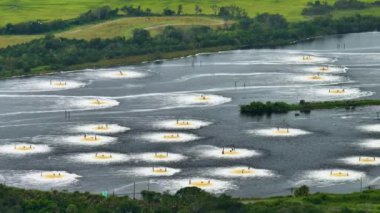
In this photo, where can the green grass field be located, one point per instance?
(119, 27)
(8, 40)
(125, 26)
(374, 11)
(13, 11)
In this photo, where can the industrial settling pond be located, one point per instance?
(176, 123)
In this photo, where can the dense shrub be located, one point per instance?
(301, 191)
(317, 8)
(232, 11)
(135, 12)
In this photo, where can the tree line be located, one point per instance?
(185, 200)
(320, 8)
(190, 200)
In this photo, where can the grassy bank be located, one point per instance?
(260, 108)
(120, 27)
(12, 11)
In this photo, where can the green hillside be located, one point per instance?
(14, 11)
(119, 27)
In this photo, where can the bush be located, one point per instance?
(317, 8)
(301, 191)
(350, 4)
(232, 11)
(168, 12)
(141, 36)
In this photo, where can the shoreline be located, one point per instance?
(125, 61)
(154, 57)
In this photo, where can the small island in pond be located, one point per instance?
(268, 108)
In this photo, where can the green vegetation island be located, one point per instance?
(109, 36)
(268, 108)
(189, 199)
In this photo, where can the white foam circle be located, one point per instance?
(241, 172)
(24, 149)
(120, 74)
(361, 160)
(156, 171)
(318, 78)
(56, 178)
(279, 132)
(371, 144)
(100, 158)
(181, 124)
(207, 184)
(92, 103)
(334, 175)
(306, 59)
(225, 153)
(326, 69)
(101, 128)
(370, 128)
(157, 157)
(169, 137)
(201, 99)
(40, 85)
(342, 93)
(89, 140)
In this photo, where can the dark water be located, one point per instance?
(37, 117)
